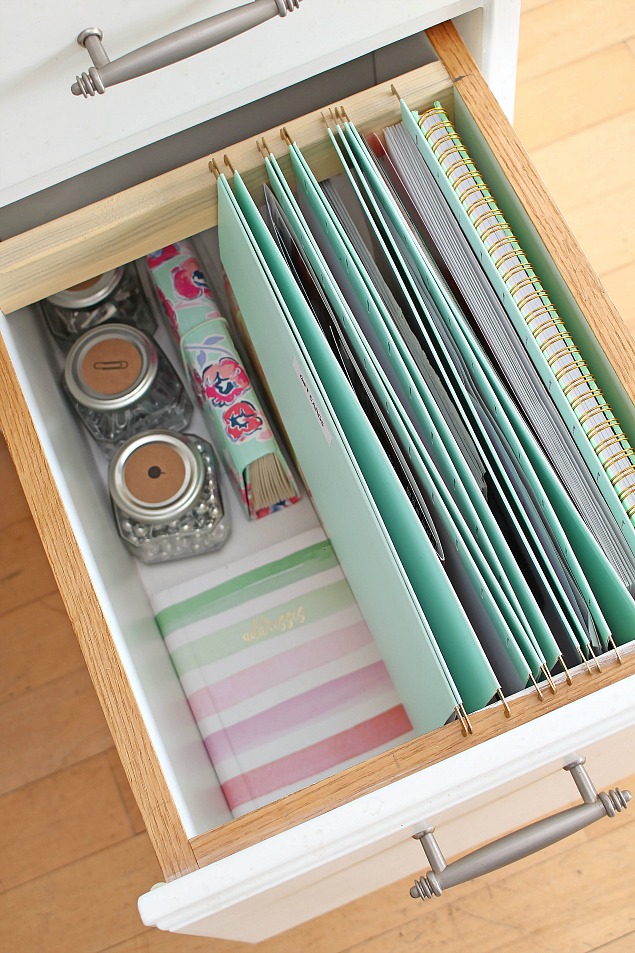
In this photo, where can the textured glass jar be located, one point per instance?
(166, 497)
(114, 296)
(120, 383)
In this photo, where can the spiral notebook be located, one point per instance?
(564, 362)
(416, 187)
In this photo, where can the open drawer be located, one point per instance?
(351, 833)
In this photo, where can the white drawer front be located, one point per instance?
(474, 797)
(51, 135)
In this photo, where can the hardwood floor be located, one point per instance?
(73, 852)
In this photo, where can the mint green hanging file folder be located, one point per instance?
(340, 493)
(549, 567)
(441, 607)
(494, 622)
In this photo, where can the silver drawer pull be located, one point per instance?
(172, 48)
(520, 843)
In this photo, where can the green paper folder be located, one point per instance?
(451, 464)
(615, 601)
(446, 617)
(608, 443)
(338, 488)
(493, 618)
(582, 628)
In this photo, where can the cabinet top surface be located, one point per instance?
(49, 135)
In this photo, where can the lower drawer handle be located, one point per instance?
(520, 843)
(172, 48)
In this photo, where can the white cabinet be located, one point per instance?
(350, 834)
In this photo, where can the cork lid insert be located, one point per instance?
(112, 366)
(155, 473)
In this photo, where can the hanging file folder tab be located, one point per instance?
(550, 682)
(611, 642)
(595, 658)
(263, 148)
(566, 670)
(464, 721)
(537, 687)
(508, 713)
(584, 660)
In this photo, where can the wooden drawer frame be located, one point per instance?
(170, 208)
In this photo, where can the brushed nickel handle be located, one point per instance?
(172, 48)
(520, 843)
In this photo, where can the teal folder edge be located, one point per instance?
(481, 578)
(467, 664)
(338, 489)
(447, 308)
(540, 362)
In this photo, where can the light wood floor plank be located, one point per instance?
(154, 941)
(38, 646)
(556, 34)
(607, 226)
(25, 574)
(624, 944)
(51, 823)
(51, 728)
(575, 97)
(83, 907)
(576, 169)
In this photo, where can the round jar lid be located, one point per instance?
(110, 367)
(88, 293)
(156, 476)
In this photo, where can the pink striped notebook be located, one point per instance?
(281, 672)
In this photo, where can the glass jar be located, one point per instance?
(114, 296)
(120, 383)
(166, 496)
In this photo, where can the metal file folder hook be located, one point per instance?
(172, 48)
(520, 843)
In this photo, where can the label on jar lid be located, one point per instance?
(112, 366)
(155, 473)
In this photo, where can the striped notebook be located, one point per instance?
(567, 365)
(280, 670)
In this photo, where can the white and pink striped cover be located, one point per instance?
(280, 671)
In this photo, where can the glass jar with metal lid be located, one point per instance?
(166, 496)
(114, 296)
(120, 383)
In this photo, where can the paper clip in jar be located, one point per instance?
(166, 496)
(120, 383)
(113, 296)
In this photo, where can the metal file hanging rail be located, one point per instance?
(172, 48)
